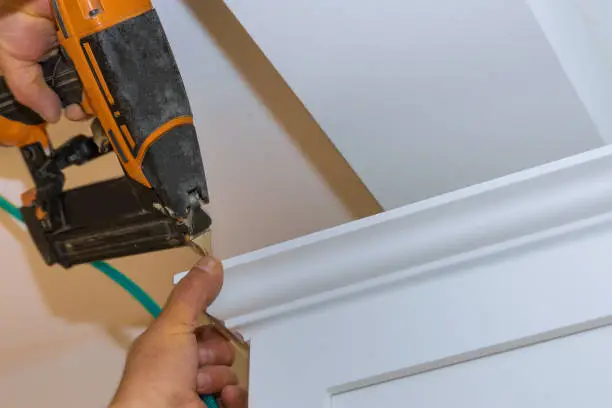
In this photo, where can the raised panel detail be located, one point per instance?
(569, 372)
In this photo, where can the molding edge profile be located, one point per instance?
(480, 221)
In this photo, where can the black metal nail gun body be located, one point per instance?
(116, 63)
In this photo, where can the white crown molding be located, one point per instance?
(475, 222)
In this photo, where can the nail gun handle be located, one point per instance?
(60, 75)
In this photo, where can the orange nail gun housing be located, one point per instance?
(133, 86)
(116, 62)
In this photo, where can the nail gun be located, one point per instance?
(115, 61)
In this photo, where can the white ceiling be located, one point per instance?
(423, 97)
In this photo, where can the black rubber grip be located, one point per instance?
(60, 75)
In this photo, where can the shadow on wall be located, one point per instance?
(82, 294)
(285, 106)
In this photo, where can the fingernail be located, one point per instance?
(208, 264)
(204, 381)
(238, 334)
(207, 356)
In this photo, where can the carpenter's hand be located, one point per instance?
(174, 360)
(27, 33)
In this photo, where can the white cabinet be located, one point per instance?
(496, 295)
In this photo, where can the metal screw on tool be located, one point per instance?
(99, 136)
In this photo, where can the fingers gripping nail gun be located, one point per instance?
(116, 63)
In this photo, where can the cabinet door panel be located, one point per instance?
(568, 372)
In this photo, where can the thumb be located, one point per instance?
(26, 82)
(194, 293)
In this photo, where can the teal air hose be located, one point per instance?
(10, 209)
(130, 287)
(119, 278)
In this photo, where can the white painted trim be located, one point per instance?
(519, 209)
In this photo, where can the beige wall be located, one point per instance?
(273, 176)
(64, 331)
